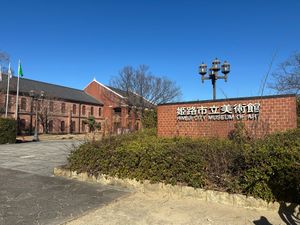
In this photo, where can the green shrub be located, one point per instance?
(92, 124)
(267, 168)
(142, 157)
(7, 130)
(239, 134)
(149, 119)
(272, 167)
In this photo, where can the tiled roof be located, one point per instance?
(133, 98)
(51, 90)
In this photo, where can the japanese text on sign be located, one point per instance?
(248, 111)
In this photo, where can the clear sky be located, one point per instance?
(69, 42)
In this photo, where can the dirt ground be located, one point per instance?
(140, 208)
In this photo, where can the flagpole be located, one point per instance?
(0, 73)
(17, 98)
(7, 94)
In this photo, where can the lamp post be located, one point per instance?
(213, 73)
(35, 97)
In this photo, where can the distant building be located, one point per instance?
(121, 110)
(64, 109)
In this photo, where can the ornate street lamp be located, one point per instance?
(36, 97)
(213, 73)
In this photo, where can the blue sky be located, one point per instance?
(70, 42)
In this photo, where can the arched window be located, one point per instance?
(62, 126)
(63, 107)
(51, 106)
(83, 110)
(23, 104)
(50, 126)
(92, 111)
(22, 125)
(74, 108)
(73, 127)
(39, 103)
(83, 126)
(100, 111)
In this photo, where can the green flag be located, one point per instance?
(20, 71)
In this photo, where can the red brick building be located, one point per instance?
(261, 115)
(64, 109)
(121, 110)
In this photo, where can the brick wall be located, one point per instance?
(111, 100)
(276, 113)
(54, 113)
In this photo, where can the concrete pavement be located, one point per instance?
(36, 157)
(29, 194)
(27, 198)
(158, 209)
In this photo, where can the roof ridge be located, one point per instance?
(58, 85)
(53, 90)
(110, 87)
(103, 85)
(133, 92)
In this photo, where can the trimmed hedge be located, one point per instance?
(8, 130)
(267, 168)
(272, 167)
(149, 119)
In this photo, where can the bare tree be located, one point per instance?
(142, 83)
(125, 79)
(286, 79)
(43, 114)
(4, 60)
(47, 112)
(4, 57)
(164, 90)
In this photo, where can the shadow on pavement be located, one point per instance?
(288, 213)
(262, 221)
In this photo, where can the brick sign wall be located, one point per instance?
(261, 115)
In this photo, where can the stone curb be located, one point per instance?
(173, 191)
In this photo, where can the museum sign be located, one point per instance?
(248, 111)
(260, 115)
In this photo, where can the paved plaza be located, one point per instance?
(29, 194)
(36, 157)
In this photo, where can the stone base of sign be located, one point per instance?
(173, 190)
